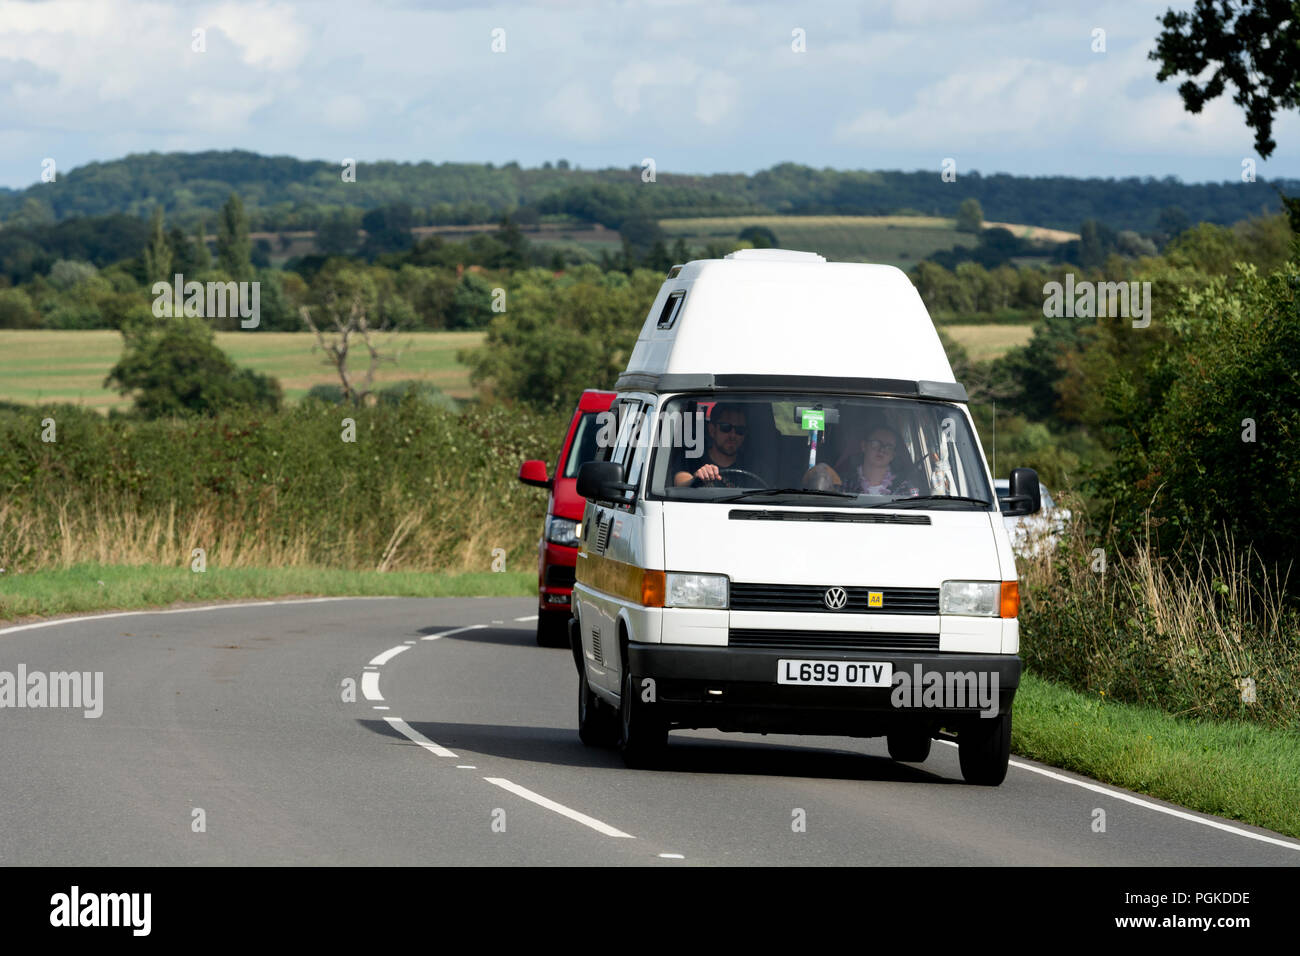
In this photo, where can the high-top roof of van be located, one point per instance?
(761, 316)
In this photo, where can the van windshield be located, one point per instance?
(583, 448)
(817, 449)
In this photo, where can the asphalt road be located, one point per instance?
(225, 738)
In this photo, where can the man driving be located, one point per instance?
(724, 436)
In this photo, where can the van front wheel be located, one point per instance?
(642, 734)
(984, 750)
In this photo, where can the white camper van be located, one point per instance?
(791, 526)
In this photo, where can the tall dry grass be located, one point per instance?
(1185, 631)
(414, 538)
(421, 489)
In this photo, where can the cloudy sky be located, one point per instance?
(998, 85)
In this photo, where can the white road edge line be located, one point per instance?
(183, 610)
(559, 808)
(434, 637)
(370, 686)
(418, 738)
(531, 617)
(1180, 814)
(388, 655)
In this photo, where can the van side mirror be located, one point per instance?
(1025, 498)
(602, 481)
(534, 473)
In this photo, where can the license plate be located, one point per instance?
(834, 673)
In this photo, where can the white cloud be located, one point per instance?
(269, 34)
(716, 95)
(573, 112)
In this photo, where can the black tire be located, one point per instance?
(552, 630)
(984, 749)
(909, 746)
(596, 724)
(642, 735)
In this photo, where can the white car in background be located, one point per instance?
(1031, 534)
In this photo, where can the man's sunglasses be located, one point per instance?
(727, 428)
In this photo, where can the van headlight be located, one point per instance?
(970, 598)
(696, 590)
(562, 531)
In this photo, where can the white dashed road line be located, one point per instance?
(370, 686)
(434, 637)
(418, 738)
(531, 617)
(389, 654)
(559, 808)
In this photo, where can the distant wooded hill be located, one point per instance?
(283, 193)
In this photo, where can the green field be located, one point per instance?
(58, 366)
(894, 240)
(985, 342)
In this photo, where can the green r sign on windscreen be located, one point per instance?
(814, 418)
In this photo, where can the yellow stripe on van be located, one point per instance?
(618, 579)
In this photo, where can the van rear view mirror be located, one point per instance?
(534, 473)
(1025, 498)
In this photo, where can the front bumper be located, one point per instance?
(736, 689)
(555, 569)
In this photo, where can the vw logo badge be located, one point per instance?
(836, 598)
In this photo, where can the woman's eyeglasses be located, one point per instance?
(886, 447)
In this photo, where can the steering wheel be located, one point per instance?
(722, 479)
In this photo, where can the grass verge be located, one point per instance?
(98, 587)
(1229, 768)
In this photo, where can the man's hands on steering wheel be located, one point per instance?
(711, 476)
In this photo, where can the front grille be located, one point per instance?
(832, 640)
(812, 597)
(559, 576)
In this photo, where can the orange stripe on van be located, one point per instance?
(621, 580)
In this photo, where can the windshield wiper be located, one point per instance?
(771, 492)
(902, 502)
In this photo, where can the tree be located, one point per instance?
(346, 298)
(1215, 447)
(388, 229)
(562, 335)
(158, 253)
(337, 235)
(515, 252)
(176, 368)
(471, 303)
(760, 237)
(970, 216)
(202, 261)
(640, 233)
(234, 251)
(1254, 45)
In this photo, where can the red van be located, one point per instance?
(557, 552)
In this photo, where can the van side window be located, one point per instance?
(672, 308)
(628, 413)
(640, 437)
